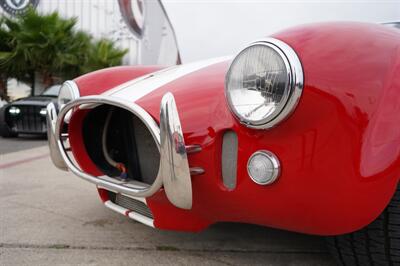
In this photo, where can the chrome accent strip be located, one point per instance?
(174, 166)
(193, 148)
(196, 171)
(276, 166)
(131, 214)
(295, 84)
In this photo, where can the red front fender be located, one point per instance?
(339, 150)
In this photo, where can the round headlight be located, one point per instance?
(264, 83)
(68, 92)
(14, 110)
(43, 111)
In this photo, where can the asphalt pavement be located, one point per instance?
(22, 143)
(50, 217)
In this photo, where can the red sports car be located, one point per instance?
(299, 131)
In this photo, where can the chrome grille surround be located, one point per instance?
(174, 172)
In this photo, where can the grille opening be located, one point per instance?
(128, 142)
(28, 120)
(130, 204)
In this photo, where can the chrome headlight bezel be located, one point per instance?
(69, 91)
(293, 90)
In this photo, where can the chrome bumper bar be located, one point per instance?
(174, 171)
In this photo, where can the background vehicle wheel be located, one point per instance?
(376, 244)
(5, 132)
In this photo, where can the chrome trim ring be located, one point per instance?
(293, 91)
(275, 163)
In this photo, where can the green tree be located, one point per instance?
(13, 63)
(51, 46)
(102, 54)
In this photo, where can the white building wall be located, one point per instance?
(155, 45)
(104, 19)
(101, 18)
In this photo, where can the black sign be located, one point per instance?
(16, 7)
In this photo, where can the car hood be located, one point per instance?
(35, 100)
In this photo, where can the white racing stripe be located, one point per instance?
(140, 87)
(115, 207)
(131, 214)
(136, 89)
(141, 219)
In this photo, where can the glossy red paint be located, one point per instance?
(339, 150)
(103, 195)
(100, 81)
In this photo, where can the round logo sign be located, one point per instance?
(133, 12)
(16, 7)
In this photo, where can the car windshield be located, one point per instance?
(52, 91)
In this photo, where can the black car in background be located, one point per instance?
(27, 115)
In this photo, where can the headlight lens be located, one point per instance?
(262, 84)
(14, 110)
(69, 91)
(43, 111)
(263, 167)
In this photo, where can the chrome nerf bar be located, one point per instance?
(55, 154)
(174, 171)
(174, 166)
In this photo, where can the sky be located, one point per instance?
(207, 28)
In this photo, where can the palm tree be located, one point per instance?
(13, 63)
(5, 50)
(102, 54)
(50, 46)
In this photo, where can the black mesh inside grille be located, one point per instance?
(130, 204)
(29, 120)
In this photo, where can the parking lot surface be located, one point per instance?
(50, 217)
(23, 142)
